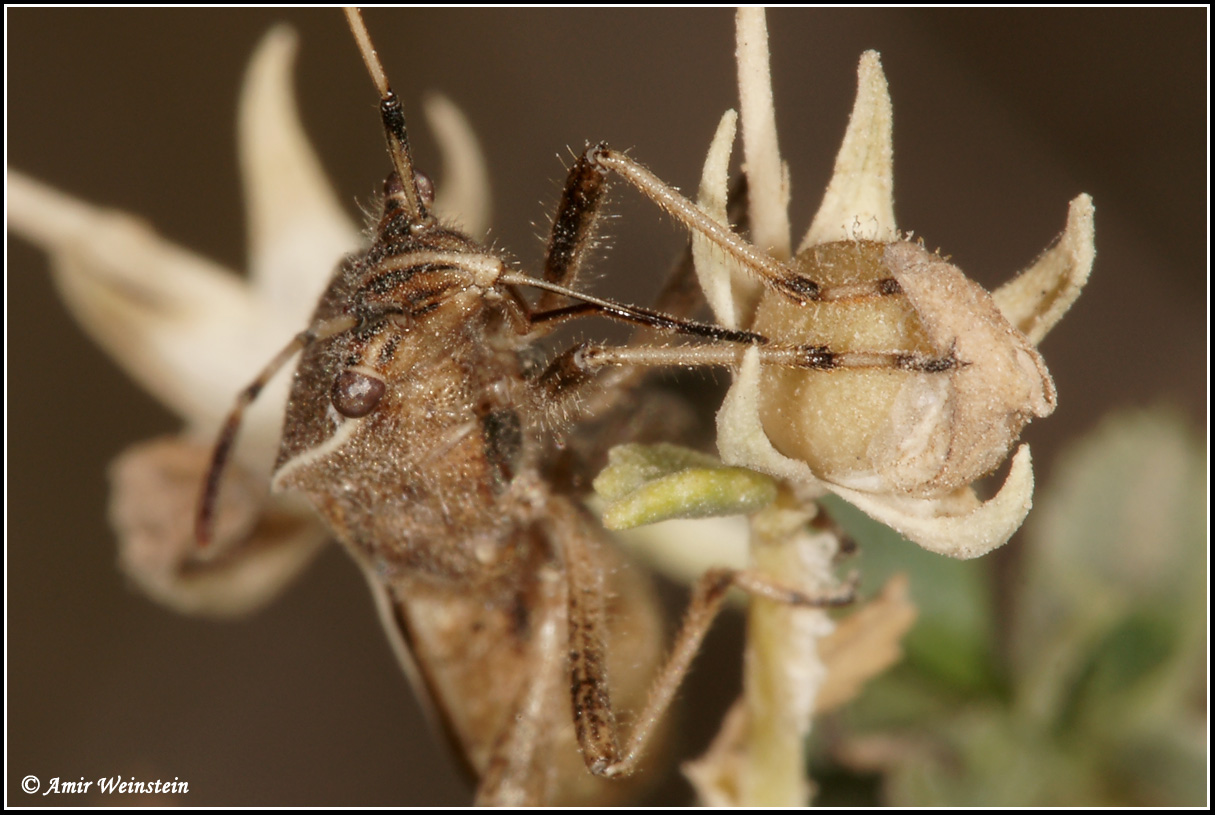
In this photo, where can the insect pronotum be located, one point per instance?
(140, 658)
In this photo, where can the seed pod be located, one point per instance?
(955, 388)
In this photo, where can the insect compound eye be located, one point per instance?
(356, 394)
(426, 187)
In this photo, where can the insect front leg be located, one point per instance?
(775, 275)
(573, 236)
(204, 518)
(573, 231)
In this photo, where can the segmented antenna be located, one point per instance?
(391, 114)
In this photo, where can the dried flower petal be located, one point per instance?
(463, 196)
(155, 493)
(297, 229)
(957, 525)
(865, 643)
(721, 278)
(767, 176)
(859, 202)
(1037, 298)
(165, 314)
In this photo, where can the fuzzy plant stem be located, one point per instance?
(783, 671)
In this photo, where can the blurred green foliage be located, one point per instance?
(1081, 680)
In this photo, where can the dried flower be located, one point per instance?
(937, 381)
(193, 334)
(904, 445)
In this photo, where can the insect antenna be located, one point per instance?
(204, 521)
(637, 315)
(392, 116)
(404, 191)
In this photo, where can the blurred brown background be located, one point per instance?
(1000, 118)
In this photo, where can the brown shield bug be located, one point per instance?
(418, 429)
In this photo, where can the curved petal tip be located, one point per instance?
(859, 202)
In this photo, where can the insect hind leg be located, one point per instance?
(595, 720)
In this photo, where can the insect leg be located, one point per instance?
(588, 357)
(680, 297)
(594, 717)
(573, 235)
(205, 519)
(578, 366)
(638, 315)
(772, 273)
(573, 229)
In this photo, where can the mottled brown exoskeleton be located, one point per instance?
(419, 431)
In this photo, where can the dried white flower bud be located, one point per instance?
(922, 433)
(936, 379)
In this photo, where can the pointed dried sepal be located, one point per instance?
(859, 202)
(958, 525)
(645, 484)
(716, 271)
(297, 229)
(767, 178)
(1037, 298)
(163, 313)
(463, 196)
(865, 643)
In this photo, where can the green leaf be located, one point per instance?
(644, 484)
